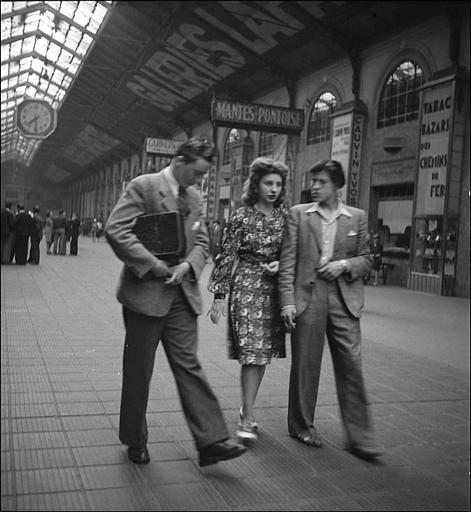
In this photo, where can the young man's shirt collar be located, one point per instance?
(341, 210)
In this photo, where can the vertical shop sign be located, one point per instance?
(355, 164)
(340, 151)
(436, 111)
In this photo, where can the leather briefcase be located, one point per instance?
(162, 234)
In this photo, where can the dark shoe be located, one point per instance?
(138, 455)
(313, 440)
(224, 450)
(365, 452)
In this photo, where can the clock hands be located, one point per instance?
(34, 120)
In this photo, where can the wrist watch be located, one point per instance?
(344, 265)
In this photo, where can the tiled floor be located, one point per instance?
(61, 349)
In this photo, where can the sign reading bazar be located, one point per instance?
(256, 116)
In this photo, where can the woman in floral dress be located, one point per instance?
(246, 269)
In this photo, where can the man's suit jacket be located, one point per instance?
(301, 252)
(23, 225)
(138, 289)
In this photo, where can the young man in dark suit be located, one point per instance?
(161, 301)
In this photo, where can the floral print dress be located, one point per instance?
(255, 330)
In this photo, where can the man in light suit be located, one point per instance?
(323, 260)
(161, 301)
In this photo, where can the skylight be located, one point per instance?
(43, 47)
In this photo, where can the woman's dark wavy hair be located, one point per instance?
(333, 169)
(259, 168)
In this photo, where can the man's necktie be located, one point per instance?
(182, 202)
(184, 209)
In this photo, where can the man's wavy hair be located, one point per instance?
(259, 168)
(333, 169)
(192, 149)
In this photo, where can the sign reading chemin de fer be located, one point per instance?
(256, 116)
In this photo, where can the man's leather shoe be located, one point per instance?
(365, 452)
(224, 450)
(138, 455)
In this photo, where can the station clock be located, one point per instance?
(36, 119)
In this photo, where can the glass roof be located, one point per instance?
(43, 47)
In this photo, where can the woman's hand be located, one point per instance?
(218, 309)
(271, 268)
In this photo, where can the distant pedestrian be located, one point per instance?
(7, 229)
(49, 232)
(36, 236)
(94, 229)
(60, 243)
(99, 230)
(74, 234)
(376, 250)
(23, 228)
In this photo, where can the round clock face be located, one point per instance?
(35, 118)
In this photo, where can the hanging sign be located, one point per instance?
(162, 147)
(436, 120)
(256, 116)
(355, 159)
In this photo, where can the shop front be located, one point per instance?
(436, 218)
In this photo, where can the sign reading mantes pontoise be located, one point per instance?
(256, 116)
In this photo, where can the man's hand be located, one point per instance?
(270, 268)
(160, 269)
(331, 270)
(288, 315)
(178, 273)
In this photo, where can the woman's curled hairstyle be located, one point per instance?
(259, 168)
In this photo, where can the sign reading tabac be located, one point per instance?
(162, 147)
(436, 120)
(256, 116)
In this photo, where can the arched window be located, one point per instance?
(400, 96)
(232, 138)
(265, 147)
(319, 123)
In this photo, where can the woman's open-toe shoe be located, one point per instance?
(246, 430)
(313, 439)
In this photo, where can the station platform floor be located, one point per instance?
(61, 351)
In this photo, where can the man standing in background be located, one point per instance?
(8, 221)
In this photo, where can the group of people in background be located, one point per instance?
(22, 231)
(276, 271)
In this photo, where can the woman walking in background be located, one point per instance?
(252, 244)
(48, 231)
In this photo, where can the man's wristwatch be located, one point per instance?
(344, 265)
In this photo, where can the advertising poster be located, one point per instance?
(340, 151)
(433, 158)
